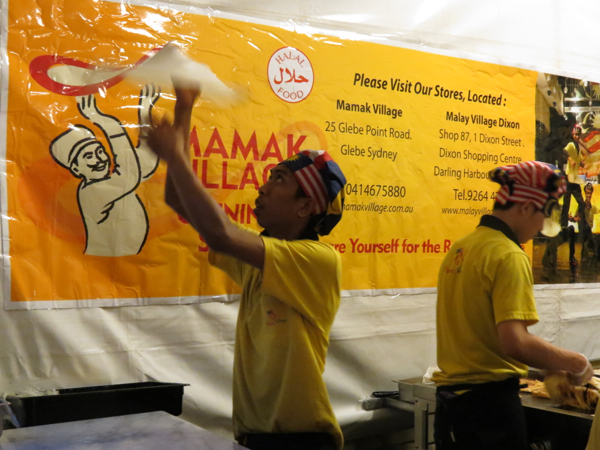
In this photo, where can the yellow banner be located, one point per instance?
(415, 134)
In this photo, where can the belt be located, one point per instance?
(288, 441)
(509, 383)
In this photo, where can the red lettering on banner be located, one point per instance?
(379, 247)
(340, 247)
(292, 148)
(428, 247)
(233, 215)
(242, 213)
(194, 143)
(447, 245)
(244, 149)
(266, 172)
(215, 145)
(250, 214)
(204, 177)
(409, 247)
(272, 150)
(249, 177)
(225, 184)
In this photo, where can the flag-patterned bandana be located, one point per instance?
(532, 181)
(322, 179)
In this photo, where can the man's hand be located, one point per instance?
(166, 140)
(186, 93)
(518, 343)
(579, 379)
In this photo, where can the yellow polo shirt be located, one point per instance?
(282, 335)
(484, 279)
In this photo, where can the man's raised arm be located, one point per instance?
(185, 193)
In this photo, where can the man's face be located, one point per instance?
(278, 203)
(532, 223)
(92, 162)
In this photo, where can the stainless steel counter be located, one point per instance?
(561, 427)
(148, 431)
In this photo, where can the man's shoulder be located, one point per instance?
(489, 241)
(571, 148)
(309, 244)
(313, 251)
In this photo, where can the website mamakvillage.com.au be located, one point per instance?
(467, 211)
(377, 208)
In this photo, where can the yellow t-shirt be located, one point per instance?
(573, 164)
(594, 439)
(484, 279)
(282, 335)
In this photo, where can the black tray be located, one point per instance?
(94, 402)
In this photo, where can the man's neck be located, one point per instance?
(289, 233)
(509, 218)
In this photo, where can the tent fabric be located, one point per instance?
(375, 339)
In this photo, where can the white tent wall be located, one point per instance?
(375, 339)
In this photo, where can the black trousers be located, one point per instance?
(573, 189)
(288, 441)
(489, 416)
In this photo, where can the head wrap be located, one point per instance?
(529, 181)
(322, 179)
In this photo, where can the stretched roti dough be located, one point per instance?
(564, 393)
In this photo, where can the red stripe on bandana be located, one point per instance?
(311, 182)
(530, 181)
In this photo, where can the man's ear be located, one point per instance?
(75, 170)
(528, 208)
(308, 208)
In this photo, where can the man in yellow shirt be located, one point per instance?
(485, 306)
(290, 287)
(588, 239)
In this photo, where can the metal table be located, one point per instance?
(561, 427)
(148, 431)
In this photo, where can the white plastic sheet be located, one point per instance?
(373, 342)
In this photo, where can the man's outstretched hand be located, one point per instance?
(166, 140)
(186, 92)
(579, 379)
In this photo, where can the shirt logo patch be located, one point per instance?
(456, 265)
(273, 318)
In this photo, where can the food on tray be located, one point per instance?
(535, 388)
(565, 394)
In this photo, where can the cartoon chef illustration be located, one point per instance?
(115, 219)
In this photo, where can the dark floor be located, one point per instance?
(586, 272)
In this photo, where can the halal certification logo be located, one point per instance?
(290, 74)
